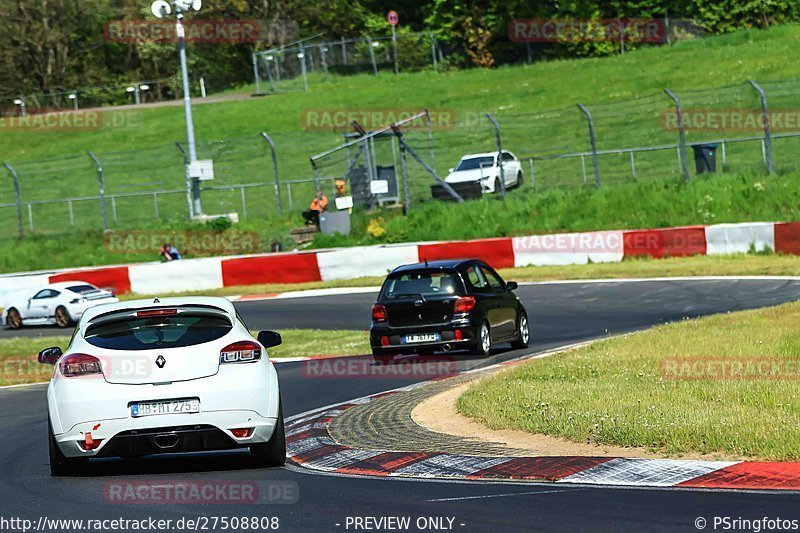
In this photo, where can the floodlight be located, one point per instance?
(130, 89)
(144, 87)
(160, 9)
(72, 96)
(18, 101)
(301, 55)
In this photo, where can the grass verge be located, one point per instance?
(644, 389)
(18, 364)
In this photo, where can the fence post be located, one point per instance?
(765, 114)
(244, 203)
(302, 56)
(633, 167)
(404, 167)
(681, 133)
(322, 49)
(256, 73)
(100, 188)
(275, 171)
(188, 179)
(372, 56)
(430, 139)
(16, 199)
(425, 166)
(533, 175)
(433, 52)
(316, 173)
(594, 145)
(499, 154)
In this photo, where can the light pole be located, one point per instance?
(21, 103)
(161, 9)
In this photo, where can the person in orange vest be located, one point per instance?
(317, 207)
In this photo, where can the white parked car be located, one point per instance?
(485, 168)
(147, 377)
(61, 304)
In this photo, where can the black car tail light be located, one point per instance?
(379, 313)
(464, 304)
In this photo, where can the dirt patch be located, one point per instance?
(438, 413)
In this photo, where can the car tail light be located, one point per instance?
(242, 433)
(458, 335)
(384, 341)
(157, 312)
(80, 364)
(464, 304)
(240, 352)
(379, 313)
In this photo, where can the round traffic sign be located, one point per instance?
(393, 17)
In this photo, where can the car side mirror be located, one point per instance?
(49, 356)
(512, 285)
(451, 169)
(269, 339)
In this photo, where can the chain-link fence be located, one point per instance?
(747, 127)
(291, 68)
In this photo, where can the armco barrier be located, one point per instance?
(669, 242)
(740, 238)
(787, 238)
(273, 268)
(497, 252)
(347, 263)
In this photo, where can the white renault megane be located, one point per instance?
(148, 376)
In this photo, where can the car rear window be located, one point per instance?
(81, 289)
(147, 333)
(422, 283)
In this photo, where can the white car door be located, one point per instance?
(42, 305)
(510, 168)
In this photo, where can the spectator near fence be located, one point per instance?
(317, 207)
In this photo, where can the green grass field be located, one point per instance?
(18, 364)
(665, 389)
(138, 151)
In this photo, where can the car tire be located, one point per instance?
(273, 452)
(519, 180)
(496, 186)
(59, 464)
(13, 319)
(483, 346)
(62, 317)
(523, 332)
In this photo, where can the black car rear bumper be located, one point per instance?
(447, 336)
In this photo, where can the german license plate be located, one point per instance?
(165, 407)
(427, 337)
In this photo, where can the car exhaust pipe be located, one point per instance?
(166, 441)
(447, 347)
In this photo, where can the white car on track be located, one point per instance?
(485, 168)
(147, 376)
(61, 304)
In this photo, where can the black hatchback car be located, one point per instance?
(446, 305)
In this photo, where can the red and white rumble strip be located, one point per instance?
(348, 263)
(310, 445)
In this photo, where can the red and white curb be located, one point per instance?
(310, 445)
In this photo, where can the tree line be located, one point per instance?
(48, 46)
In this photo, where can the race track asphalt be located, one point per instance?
(561, 314)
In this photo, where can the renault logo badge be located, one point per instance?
(160, 361)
